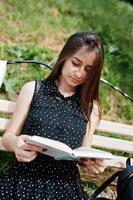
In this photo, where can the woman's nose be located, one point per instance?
(79, 73)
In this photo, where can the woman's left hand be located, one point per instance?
(94, 165)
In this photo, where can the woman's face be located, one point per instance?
(78, 67)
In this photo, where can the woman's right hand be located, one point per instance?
(25, 152)
(94, 165)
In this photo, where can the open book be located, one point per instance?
(61, 151)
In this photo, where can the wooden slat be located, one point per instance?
(98, 141)
(114, 127)
(112, 143)
(1, 145)
(4, 123)
(7, 106)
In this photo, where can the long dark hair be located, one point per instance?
(89, 91)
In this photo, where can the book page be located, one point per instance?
(88, 152)
(54, 148)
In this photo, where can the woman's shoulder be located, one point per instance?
(25, 96)
(28, 87)
(31, 88)
(26, 92)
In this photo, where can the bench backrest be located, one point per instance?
(106, 142)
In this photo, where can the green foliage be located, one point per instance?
(120, 65)
(110, 19)
(17, 75)
(89, 184)
(6, 160)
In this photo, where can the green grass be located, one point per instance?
(49, 23)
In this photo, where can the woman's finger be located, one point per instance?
(96, 166)
(100, 163)
(96, 162)
(92, 169)
(26, 154)
(25, 159)
(30, 146)
(34, 148)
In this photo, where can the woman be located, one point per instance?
(63, 107)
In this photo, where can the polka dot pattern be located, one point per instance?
(57, 117)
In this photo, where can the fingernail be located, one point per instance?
(93, 159)
(83, 159)
(44, 149)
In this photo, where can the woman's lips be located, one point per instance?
(75, 80)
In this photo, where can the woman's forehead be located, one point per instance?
(84, 54)
(84, 51)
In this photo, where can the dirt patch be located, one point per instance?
(54, 40)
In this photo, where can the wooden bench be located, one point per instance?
(106, 142)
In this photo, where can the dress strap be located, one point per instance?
(36, 90)
(37, 86)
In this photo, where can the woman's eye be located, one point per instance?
(74, 63)
(88, 69)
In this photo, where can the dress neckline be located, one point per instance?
(61, 95)
(58, 91)
(54, 90)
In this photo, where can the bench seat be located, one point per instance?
(106, 142)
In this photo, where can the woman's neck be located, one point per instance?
(64, 88)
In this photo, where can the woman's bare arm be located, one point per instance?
(93, 165)
(12, 140)
(19, 116)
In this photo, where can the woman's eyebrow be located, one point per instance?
(78, 59)
(82, 62)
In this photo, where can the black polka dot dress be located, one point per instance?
(52, 116)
